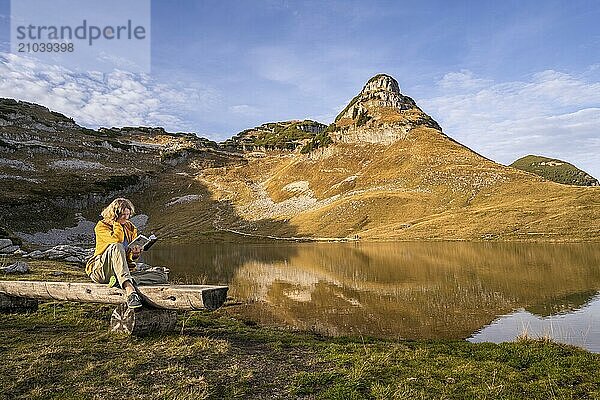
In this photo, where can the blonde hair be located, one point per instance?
(114, 210)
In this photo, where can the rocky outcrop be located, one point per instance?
(380, 91)
(33, 116)
(63, 252)
(284, 135)
(19, 267)
(7, 246)
(379, 114)
(385, 134)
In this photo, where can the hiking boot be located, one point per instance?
(134, 300)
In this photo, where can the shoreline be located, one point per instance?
(82, 235)
(66, 348)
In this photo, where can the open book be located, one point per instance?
(145, 242)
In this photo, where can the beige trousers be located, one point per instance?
(112, 262)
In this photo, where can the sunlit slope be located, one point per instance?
(425, 186)
(391, 174)
(384, 170)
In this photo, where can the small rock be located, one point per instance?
(62, 252)
(57, 273)
(35, 254)
(54, 255)
(19, 267)
(9, 249)
(65, 248)
(5, 243)
(20, 252)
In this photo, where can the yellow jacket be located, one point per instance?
(107, 234)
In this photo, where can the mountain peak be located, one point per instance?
(381, 82)
(380, 103)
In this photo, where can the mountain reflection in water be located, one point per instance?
(579, 327)
(397, 290)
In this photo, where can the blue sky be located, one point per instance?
(504, 78)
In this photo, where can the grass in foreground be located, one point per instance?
(65, 351)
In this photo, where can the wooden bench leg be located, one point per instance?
(142, 321)
(11, 304)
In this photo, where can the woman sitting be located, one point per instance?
(112, 257)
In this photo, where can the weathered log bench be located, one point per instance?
(159, 314)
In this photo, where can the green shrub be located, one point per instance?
(363, 118)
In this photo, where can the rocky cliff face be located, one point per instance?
(284, 135)
(379, 114)
(380, 91)
(32, 116)
(50, 167)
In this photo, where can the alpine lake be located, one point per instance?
(481, 292)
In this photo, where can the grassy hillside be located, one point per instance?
(555, 170)
(424, 187)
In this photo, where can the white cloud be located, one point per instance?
(463, 80)
(245, 110)
(96, 99)
(553, 114)
(118, 62)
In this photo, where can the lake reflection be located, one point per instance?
(579, 327)
(398, 290)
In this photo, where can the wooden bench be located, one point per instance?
(159, 314)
